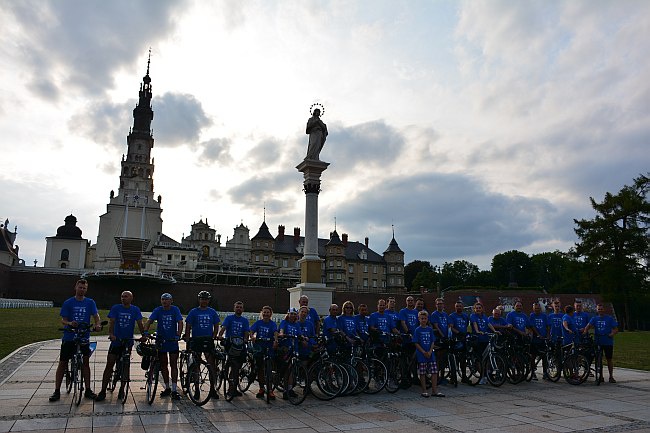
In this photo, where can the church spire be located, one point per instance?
(142, 113)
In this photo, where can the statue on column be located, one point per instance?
(317, 131)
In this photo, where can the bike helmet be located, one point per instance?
(204, 294)
(167, 296)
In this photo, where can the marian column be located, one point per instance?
(320, 296)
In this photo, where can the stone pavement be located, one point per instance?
(27, 376)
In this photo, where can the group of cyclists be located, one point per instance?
(419, 342)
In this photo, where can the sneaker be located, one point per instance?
(120, 394)
(612, 380)
(483, 381)
(438, 394)
(55, 396)
(176, 395)
(166, 393)
(260, 393)
(100, 397)
(91, 395)
(271, 396)
(214, 394)
(285, 396)
(534, 377)
(601, 379)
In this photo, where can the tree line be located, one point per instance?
(611, 257)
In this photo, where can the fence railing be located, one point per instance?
(24, 303)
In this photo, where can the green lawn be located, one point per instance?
(23, 326)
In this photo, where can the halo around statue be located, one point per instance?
(316, 105)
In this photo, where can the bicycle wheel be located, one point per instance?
(183, 360)
(152, 380)
(125, 380)
(576, 369)
(377, 376)
(246, 375)
(200, 380)
(553, 368)
(495, 370)
(363, 375)
(115, 376)
(516, 369)
(327, 380)
(453, 370)
(300, 384)
(67, 375)
(268, 377)
(394, 375)
(78, 381)
(227, 383)
(353, 378)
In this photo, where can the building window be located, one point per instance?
(257, 243)
(182, 257)
(351, 269)
(338, 264)
(331, 276)
(169, 257)
(399, 269)
(63, 265)
(374, 283)
(365, 282)
(285, 263)
(374, 269)
(350, 283)
(257, 258)
(383, 284)
(392, 281)
(331, 263)
(338, 277)
(392, 268)
(266, 244)
(65, 254)
(338, 251)
(365, 268)
(399, 281)
(266, 258)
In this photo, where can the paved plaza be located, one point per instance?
(27, 376)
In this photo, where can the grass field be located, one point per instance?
(23, 326)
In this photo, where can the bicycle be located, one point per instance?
(235, 348)
(296, 377)
(122, 371)
(268, 367)
(73, 372)
(153, 371)
(201, 379)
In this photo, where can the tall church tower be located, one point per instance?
(133, 214)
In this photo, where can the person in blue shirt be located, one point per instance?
(580, 316)
(346, 323)
(569, 328)
(380, 323)
(409, 322)
(75, 311)
(480, 327)
(330, 329)
(313, 314)
(424, 339)
(170, 328)
(555, 322)
(122, 319)
(309, 338)
(497, 322)
(288, 327)
(605, 327)
(361, 320)
(439, 320)
(264, 334)
(458, 322)
(201, 328)
(539, 325)
(236, 327)
(393, 313)
(518, 319)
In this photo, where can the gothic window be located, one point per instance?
(65, 254)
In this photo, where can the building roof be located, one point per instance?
(69, 230)
(334, 239)
(263, 233)
(6, 241)
(352, 251)
(393, 247)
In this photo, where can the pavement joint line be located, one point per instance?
(419, 419)
(12, 362)
(83, 415)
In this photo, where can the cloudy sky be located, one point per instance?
(473, 127)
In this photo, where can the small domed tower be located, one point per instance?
(394, 258)
(335, 263)
(263, 250)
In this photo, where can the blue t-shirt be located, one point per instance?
(424, 336)
(517, 320)
(555, 322)
(264, 330)
(125, 319)
(481, 321)
(581, 319)
(394, 318)
(202, 321)
(79, 311)
(307, 330)
(313, 317)
(289, 328)
(497, 322)
(410, 317)
(603, 326)
(567, 337)
(236, 326)
(362, 325)
(459, 321)
(540, 323)
(167, 320)
(348, 325)
(442, 319)
(383, 322)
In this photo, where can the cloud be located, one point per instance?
(268, 151)
(78, 45)
(216, 150)
(178, 120)
(269, 188)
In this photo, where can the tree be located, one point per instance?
(459, 273)
(557, 271)
(425, 278)
(615, 243)
(412, 269)
(513, 268)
